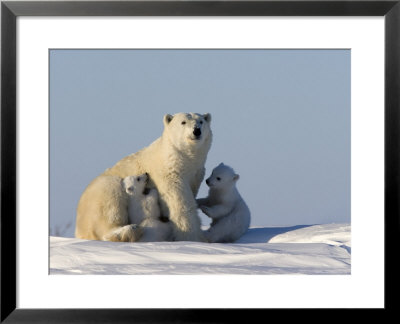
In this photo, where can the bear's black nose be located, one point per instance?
(197, 132)
(208, 181)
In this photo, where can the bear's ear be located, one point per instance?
(221, 164)
(207, 117)
(236, 177)
(167, 119)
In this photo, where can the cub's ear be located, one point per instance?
(167, 119)
(236, 177)
(207, 117)
(221, 164)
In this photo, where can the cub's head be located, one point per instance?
(188, 130)
(134, 185)
(222, 177)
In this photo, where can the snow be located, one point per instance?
(303, 249)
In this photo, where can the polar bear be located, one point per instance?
(230, 214)
(141, 204)
(175, 163)
(143, 209)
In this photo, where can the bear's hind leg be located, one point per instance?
(127, 233)
(220, 232)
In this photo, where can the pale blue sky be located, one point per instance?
(280, 118)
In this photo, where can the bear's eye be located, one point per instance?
(138, 178)
(183, 123)
(201, 122)
(218, 178)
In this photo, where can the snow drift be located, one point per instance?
(303, 249)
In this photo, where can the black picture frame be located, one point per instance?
(10, 10)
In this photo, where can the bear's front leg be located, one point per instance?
(216, 211)
(198, 179)
(182, 208)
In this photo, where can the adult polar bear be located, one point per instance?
(175, 164)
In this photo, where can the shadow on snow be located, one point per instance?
(265, 234)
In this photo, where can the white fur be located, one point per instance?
(175, 164)
(230, 214)
(143, 209)
(139, 204)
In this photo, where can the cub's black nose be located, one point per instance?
(208, 181)
(197, 132)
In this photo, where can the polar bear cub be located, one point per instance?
(144, 210)
(230, 214)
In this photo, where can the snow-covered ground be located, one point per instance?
(316, 249)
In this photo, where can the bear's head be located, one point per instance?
(222, 177)
(188, 130)
(134, 185)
